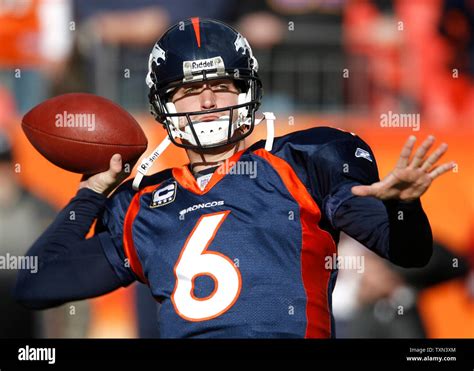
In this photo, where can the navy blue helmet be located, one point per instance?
(197, 50)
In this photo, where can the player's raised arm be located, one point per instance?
(387, 215)
(72, 267)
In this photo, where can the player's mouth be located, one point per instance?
(208, 118)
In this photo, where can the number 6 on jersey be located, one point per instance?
(195, 261)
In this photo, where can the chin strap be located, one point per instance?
(147, 162)
(270, 118)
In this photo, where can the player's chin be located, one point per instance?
(216, 150)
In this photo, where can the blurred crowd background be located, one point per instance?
(341, 63)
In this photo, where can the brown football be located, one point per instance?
(80, 132)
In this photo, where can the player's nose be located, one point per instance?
(208, 99)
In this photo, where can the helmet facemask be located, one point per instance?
(233, 124)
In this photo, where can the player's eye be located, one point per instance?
(221, 87)
(190, 90)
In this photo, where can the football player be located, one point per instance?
(236, 243)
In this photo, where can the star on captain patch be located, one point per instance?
(163, 196)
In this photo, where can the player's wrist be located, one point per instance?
(97, 189)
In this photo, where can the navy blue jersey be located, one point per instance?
(245, 256)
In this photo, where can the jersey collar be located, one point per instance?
(186, 179)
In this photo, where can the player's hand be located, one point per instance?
(106, 181)
(410, 179)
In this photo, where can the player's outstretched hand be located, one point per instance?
(410, 179)
(106, 181)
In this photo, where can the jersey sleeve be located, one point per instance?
(111, 220)
(329, 161)
(339, 166)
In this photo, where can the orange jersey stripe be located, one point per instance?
(316, 245)
(129, 247)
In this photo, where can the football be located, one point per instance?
(80, 132)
